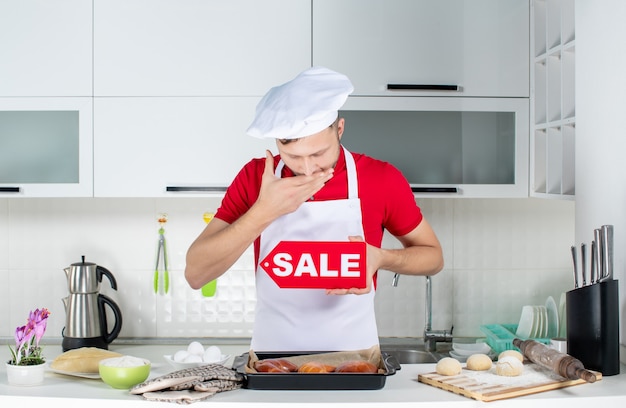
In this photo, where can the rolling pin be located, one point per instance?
(561, 363)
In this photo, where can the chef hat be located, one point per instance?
(306, 105)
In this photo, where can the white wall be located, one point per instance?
(500, 254)
(601, 129)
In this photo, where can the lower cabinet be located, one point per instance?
(158, 147)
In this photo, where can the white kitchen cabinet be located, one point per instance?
(45, 48)
(481, 46)
(198, 47)
(46, 147)
(445, 147)
(166, 147)
(553, 112)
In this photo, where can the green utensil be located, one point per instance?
(209, 289)
(161, 251)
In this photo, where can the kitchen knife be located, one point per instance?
(597, 237)
(583, 263)
(592, 264)
(573, 248)
(607, 252)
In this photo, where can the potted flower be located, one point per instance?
(27, 363)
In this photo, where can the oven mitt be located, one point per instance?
(179, 397)
(160, 384)
(190, 384)
(218, 385)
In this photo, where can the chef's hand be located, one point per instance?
(372, 256)
(284, 195)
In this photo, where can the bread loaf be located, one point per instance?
(82, 360)
(479, 362)
(509, 366)
(448, 366)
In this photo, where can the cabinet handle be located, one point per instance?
(9, 189)
(422, 87)
(434, 189)
(196, 189)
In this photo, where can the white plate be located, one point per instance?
(463, 358)
(525, 326)
(537, 323)
(180, 366)
(544, 321)
(467, 349)
(553, 318)
(91, 376)
(543, 318)
(534, 331)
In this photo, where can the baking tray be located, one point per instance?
(312, 381)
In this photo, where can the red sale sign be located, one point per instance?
(317, 264)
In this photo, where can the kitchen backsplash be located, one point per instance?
(500, 254)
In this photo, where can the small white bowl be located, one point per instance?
(180, 365)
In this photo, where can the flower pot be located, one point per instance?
(25, 375)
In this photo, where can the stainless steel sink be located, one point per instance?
(411, 356)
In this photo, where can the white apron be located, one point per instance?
(308, 319)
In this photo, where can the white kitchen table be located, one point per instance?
(401, 389)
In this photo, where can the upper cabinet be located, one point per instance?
(553, 113)
(198, 47)
(46, 147)
(157, 147)
(425, 47)
(45, 48)
(445, 147)
(151, 98)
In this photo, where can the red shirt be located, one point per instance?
(387, 201)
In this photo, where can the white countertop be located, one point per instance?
(401, 389)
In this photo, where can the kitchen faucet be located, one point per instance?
(431, 337)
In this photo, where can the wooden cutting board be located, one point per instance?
(488, 386)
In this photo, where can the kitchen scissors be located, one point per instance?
(161, 253)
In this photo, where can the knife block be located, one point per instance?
(593, 326)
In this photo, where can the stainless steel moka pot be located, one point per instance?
(85, 308)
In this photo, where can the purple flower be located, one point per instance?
(25, 351)
(39, 319)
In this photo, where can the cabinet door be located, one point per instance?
(147, 146)
(445, 147)
(46, 147)
(481, 46)
(198, 47)
(45, 48)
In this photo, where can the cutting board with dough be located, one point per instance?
(488, 386)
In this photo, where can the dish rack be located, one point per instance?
(500, 336)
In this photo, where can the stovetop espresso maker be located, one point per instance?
(85, 308)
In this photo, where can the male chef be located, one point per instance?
(313, 190)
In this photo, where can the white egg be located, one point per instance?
(180, 356)
(212, 354)
(196, 348)
(193, 358)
